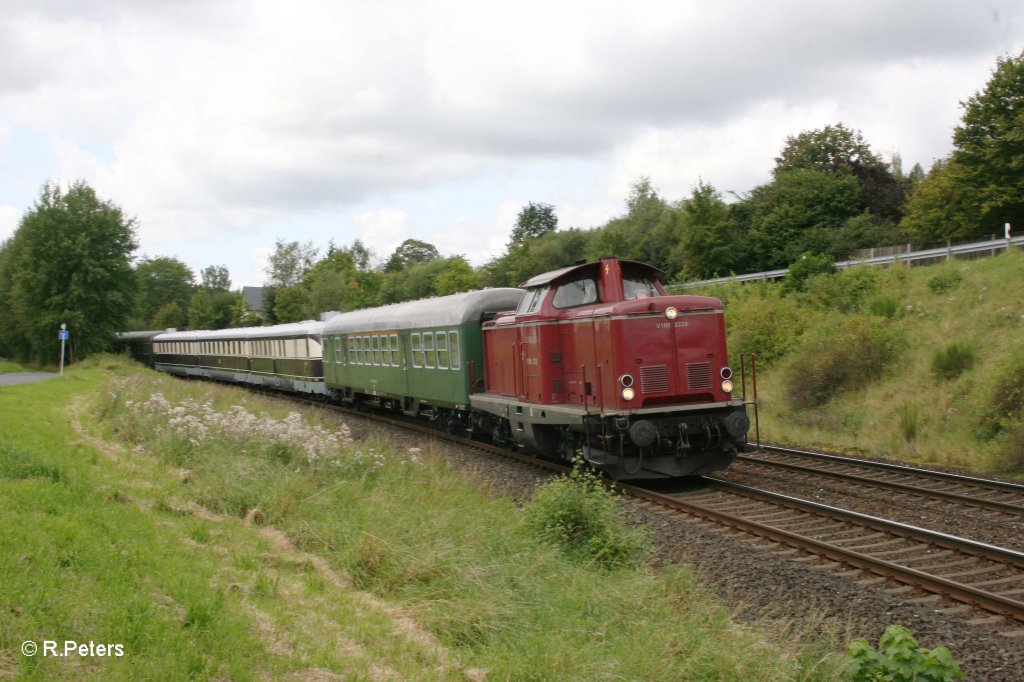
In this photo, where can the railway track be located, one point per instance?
(985, 576)
(999, 497)
(977, 574)
(982, 575)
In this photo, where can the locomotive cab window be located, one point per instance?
(637, 286)
(530, 305)
(580, 291)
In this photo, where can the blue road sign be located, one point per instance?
(63, 335)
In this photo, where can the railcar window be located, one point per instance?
(396, 358)
(577, 292)
(385, 350)
(337, 350)
(442, 350)
(531, 301)
(375, 344)
(453, 345)
(351, 350)
(637, 286)
(417, 350)
(428, 350)
(360, 354)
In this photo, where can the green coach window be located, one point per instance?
(453, 345)
(375, 344)
(428, 350)
(417, 350)
(442, 350)
(351, 350)
(396, 358)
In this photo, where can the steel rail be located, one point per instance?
(982, 502)
(988, 483)
(1005, 606)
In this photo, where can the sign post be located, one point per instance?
(63, 335)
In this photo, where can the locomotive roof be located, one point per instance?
(548, 277)
(444, 311)
(290, 330)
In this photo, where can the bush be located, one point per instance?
(1002, 399)
(805, 267)
(843, 291)
(766, 323)
(583, 518)
(951, 361)
(945, 281)
(885, 306)
(848, 353)
(899, 657)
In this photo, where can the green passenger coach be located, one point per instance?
(414, 357)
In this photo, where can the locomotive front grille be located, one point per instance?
(654, 379)
(698, 375)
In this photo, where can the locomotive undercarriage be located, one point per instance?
(667, 447)
(624, 446)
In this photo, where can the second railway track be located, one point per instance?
(969, 491)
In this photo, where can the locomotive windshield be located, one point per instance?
(531, 301)
(580, 291)
(638, 286)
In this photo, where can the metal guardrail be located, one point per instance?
(946, 252)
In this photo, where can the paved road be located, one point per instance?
(24, 377)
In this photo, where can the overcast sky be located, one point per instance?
(223, 125)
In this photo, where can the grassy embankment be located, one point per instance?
(7, 367)
(213, 534)
(923, 365)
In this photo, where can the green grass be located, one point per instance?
(8, 367)
(939, 394)
(212, 555)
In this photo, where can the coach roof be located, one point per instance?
(284, 331)
(443, 311)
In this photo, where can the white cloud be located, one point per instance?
(216, 121)
(383, 230)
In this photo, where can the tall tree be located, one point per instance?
(836, 149)
(457, 277)
(989, 148)
(68, 262)
(212, 308)
(289, 263)
(163, 281)
(216, 278)
(411, 252)
(800, 211)
(708, 244)
(534, 220)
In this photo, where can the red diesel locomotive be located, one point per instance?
(599, 360)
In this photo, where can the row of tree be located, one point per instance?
(71, 258)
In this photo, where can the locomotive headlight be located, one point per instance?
(727, 386)
(671, 313)
(628, 393)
